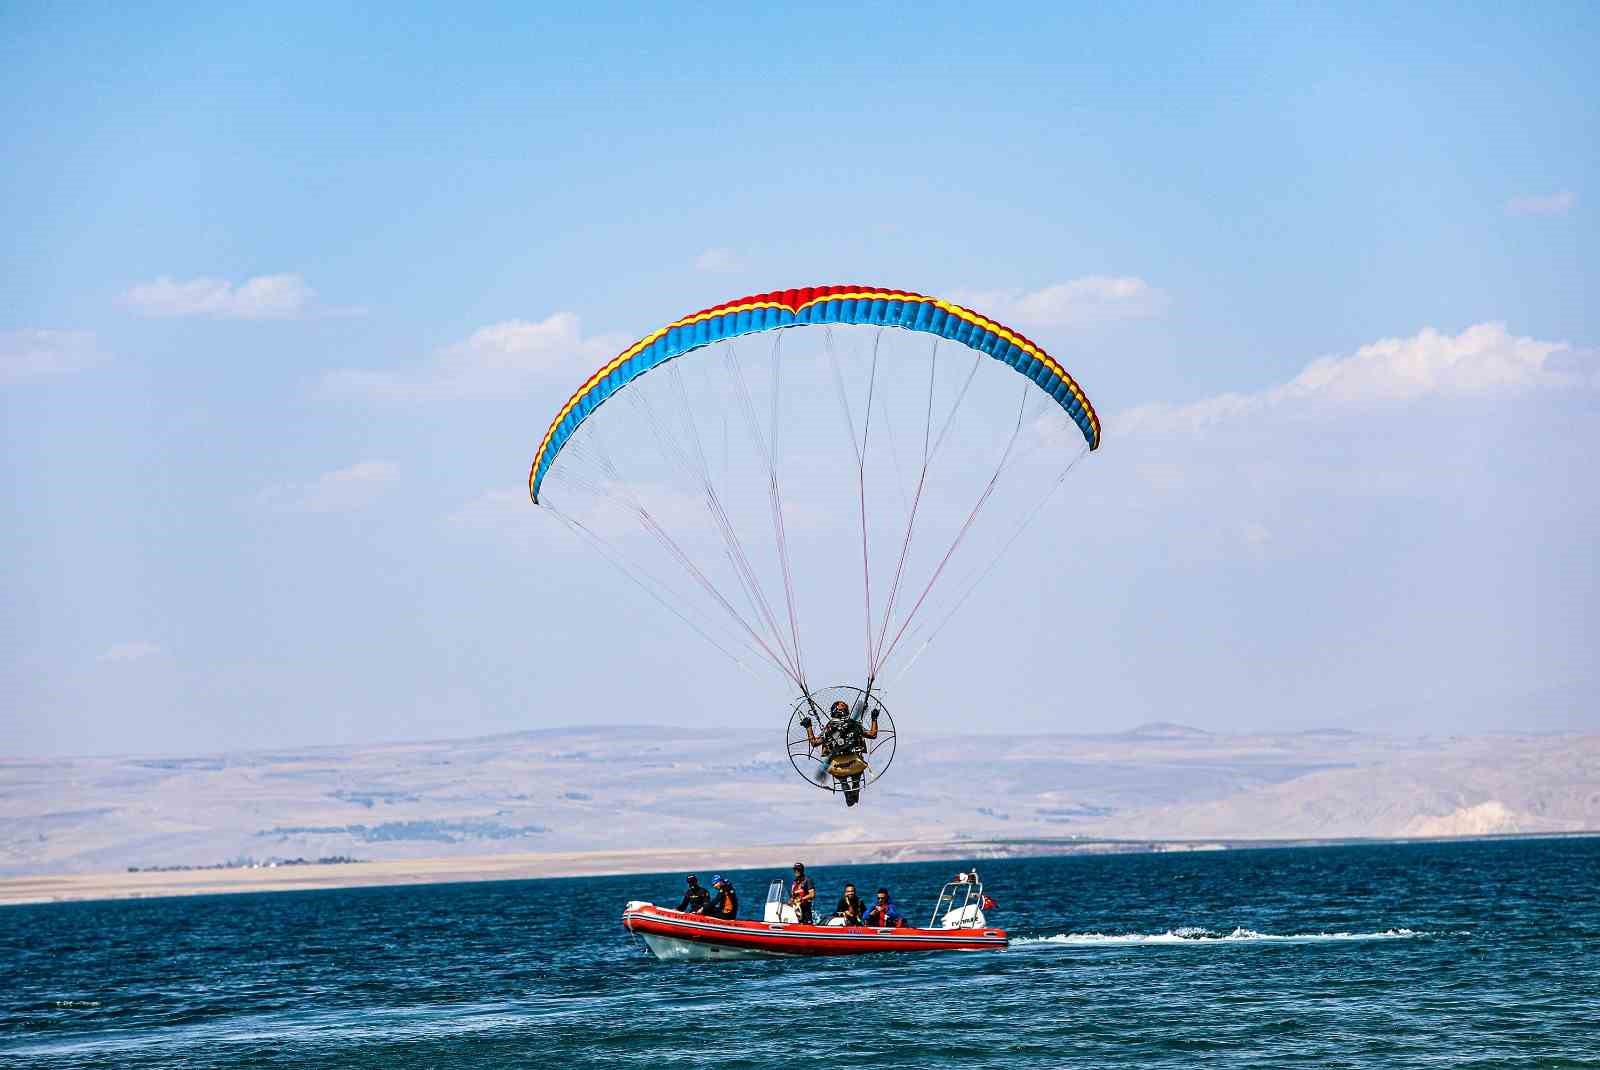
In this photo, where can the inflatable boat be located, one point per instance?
(957, 924)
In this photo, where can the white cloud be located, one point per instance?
(506, 518)
(1559, 203)
(259, 298)
(613, 516)
(1080, 302)
(1254, 535)
(1479, 360)
(497, 512)
(500, 360)
(492, 508)
(342, 490)
(130, 652)
(35, 353)
(718, 259)
(610, 515)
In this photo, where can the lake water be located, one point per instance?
(1474, 954)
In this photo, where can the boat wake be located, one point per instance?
(1192, 935)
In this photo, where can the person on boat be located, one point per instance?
(802, 893)
(844, 744)
(883, 914)
(695, 897)
(725, 904)
(850, 907)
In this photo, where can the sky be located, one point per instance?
(288, 296)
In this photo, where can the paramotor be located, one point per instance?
(720, 485)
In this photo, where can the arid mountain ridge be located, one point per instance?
(620, 788)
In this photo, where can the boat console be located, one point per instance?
(960, 904)
(779, 911)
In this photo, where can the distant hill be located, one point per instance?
(1167, 730)
(584, 789)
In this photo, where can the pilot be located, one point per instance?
(843, 743)
(694, 896)
(883, 915)
(725, 904)
(850, 907)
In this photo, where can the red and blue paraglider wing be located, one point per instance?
(863, 305)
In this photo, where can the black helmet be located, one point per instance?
(841, 708)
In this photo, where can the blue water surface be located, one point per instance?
(1471, 954)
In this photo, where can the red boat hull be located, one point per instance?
(671, 934)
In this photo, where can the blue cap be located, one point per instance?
(716, 880)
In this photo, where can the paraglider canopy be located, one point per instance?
(814, 305)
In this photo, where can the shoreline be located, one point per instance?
(92, 887)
